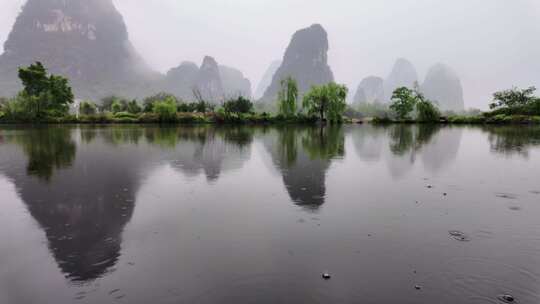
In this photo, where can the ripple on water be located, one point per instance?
(487, 280)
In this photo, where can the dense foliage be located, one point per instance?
(427, 111)
(87, 108)
(326, 101)
(43, 96)
(166, 109)
(403, 102)
(238, 105)
(515, 102)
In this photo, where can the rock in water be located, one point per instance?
(305, 60)
(267, 79)
(443, 87)
(403, 75)
(370, 90)
(234, 82)
(84, 40)
(209, 82)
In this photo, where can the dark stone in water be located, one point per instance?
(507, 298)
(459, 236)
(417, 287)
(326, 276)
(429, 186)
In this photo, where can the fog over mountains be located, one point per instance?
(364, 38)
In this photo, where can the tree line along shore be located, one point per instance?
(47, 98)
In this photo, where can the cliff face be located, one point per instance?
(403, 75)
(305, 60)
(84, 40)
(443, 87)
(370, 90)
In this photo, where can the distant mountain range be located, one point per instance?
(441, 85)
(87, 41)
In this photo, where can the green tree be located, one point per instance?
(288, 97)
(133, 107)
(326, 101)
(87, 108)
(403, 102)
(513, 98)
(44, 94)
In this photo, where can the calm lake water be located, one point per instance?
(399, 214)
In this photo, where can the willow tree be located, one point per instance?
(288, 97)
(326, 101)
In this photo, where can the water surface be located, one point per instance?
(399, 214)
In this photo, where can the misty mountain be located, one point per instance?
(86, 41)
(180, 80)
(306, 60)
(234, 82)
(403, 74)
(443, 87)
(215, 82)
(266, 80)
(370, 89)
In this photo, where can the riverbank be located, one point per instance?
(178, 118)
(479, 119)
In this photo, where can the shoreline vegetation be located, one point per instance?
(48, 99)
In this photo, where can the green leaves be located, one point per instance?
(166, 110)
(238, 105)
(326, 101)
(513, 98)
(43, 95)
(403, 102)
(288, 97)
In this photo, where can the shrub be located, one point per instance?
(116, 107)
(239, 105)
(166, 110)
(87, 108)
(148, 102)
(125, 115)
(427, 111)
(133, 107)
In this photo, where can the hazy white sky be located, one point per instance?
(492, 44)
